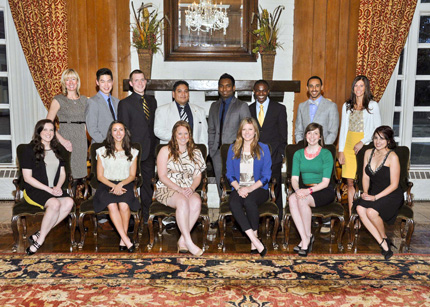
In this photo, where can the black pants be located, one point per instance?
(277, 174)
(147, 170)
(245, 210)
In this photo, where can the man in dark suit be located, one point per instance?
(272, 122)
(224, 119)
(137, 112)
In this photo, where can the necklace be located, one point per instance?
(74, 100)
(309, 155)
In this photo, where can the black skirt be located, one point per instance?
(103, 197)
(39, 198)
(324, 197)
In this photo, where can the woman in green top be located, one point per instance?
(315, 165)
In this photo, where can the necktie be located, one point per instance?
(183, 114)
(221, 123)
(145, 107)
(261, 116)
(111, 108)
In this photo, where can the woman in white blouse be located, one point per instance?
(116, 171)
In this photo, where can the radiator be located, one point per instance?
(7, 175)
(421, 181)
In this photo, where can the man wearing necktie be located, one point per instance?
(317, 109)
(224, 119)
(180, 109)
(137, 112)
(102, 108)
(272, 122)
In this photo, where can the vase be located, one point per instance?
(145, 62)
(268, 64)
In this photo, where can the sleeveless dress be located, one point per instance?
(387, 206)
(72, 127)
(180, 172)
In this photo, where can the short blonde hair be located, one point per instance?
(70, 72)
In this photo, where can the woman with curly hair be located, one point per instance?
(116, 171)
(44, 174)
(180, 165)
(249, 171)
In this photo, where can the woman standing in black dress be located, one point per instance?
(116, 171)
(382, 196)
(44, 174)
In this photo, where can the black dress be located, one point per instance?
(387, 206)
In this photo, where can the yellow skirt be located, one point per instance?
(349, 169)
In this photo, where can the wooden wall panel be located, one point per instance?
(99, 36)
(325, 44)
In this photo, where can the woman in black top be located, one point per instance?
(44, 174)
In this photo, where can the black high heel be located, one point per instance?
(311, 243)
(132, 248)
(386, 253)
(122, 248)
(30, 238)
(297, 248)
(304, 252)
(390, 243)
(264, 251)
(29, 251)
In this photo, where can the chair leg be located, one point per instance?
(352, 231)
(24, 227)
(221, 227)
(267, 227)
(160, 227)
(95, 223)
(136, 229)
(72, 228)
(82, 230)
(275, 231)
(410, 225)
(14, 224)
(287, 225)
(151, 231)
(340, 232)
(332, 232)
(205, 231)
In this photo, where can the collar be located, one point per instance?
(316, 102)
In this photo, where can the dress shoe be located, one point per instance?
(199, 253)
(31, 239)
(297, 248)
(263, 252)
(132, 248)
(182, 250)
(386, 253)
(122, 248)
(254, 252)
(390, 243)
(30, 252)
(304, 252)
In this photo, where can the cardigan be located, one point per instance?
(371, 121)
(262, 167)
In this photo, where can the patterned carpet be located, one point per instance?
(213, 280)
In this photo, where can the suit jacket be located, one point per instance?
(237, 111)
(327, 116)
(275, 130)
(130, 112)
(262, 167)
(167, 115)
(98, 117)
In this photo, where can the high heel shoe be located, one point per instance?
(29, 251)
(311, 243)
(132, 248)
(122, 248)
(30, 238)
(264, 251)
(254, 252)
(182, 250)
(386, 253)
(390, 243)
(297, 248)
(199, 253)
(304, 252)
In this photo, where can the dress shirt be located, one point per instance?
(227, 104)
(106, 99)
(265, 107)
(189, 113)
(313, 107)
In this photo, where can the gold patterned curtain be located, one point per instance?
(42, 31)
(383, 27)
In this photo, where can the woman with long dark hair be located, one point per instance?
(249, 171)
(360, 117)
(382, 196)
(44, 174)
(116, 171)
(180, 165)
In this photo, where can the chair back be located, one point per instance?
(93, 173)
(403, 154)
(65, 155)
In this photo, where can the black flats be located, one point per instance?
(386, 253)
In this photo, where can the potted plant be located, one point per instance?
(267, 38)
(147, 32)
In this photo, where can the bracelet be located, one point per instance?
(310, 191)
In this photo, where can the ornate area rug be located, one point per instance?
(213, 280)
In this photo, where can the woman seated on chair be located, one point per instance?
(44, 174)
(116, 171)
(315, 166)
(249, 171)
(180, 165)
(382, 196)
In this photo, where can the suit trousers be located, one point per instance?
(147, 169)
(217, 165)
(245, 210)
(277, 174)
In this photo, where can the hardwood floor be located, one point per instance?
(107, 241)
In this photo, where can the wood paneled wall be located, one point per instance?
(99, 36)
(325, 44)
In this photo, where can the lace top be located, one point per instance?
(380, 165)
(116, 168)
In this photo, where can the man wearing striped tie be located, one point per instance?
(137, 112)
(180, 109)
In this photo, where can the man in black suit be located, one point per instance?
(272, 122)
(137, 112)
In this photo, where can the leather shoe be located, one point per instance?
(264, 251)
(254, 252)
(122, 248)
(132, 248)
(297, 248)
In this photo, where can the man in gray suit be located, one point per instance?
(102, 108)
(225, 116)
(319, 110)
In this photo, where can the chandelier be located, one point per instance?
(206, 17)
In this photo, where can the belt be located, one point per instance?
(72, 122)
(311, 184)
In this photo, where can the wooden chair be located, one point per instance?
(21, 209)
(87, 207)
(333, 211)
(267, 210)
(159, 210)
(406, 213)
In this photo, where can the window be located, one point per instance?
(5, 131)
(411, 117)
